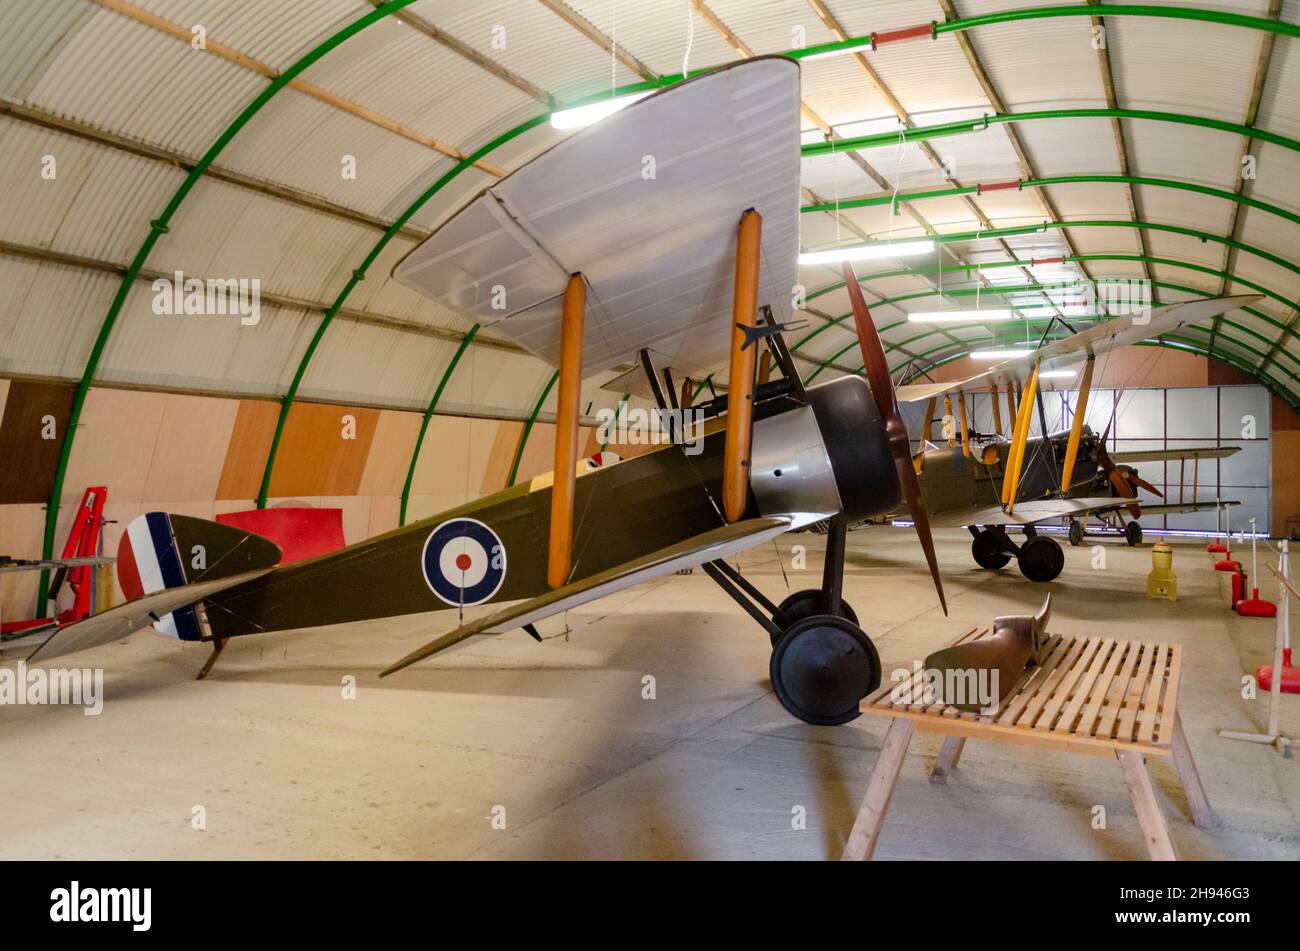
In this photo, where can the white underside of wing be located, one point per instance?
(645, 204)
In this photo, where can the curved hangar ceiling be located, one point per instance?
(311, 144)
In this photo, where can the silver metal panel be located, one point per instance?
(790, 469)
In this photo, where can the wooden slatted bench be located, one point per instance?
(1094, 695)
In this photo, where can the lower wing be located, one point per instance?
(1041, 510)
(717, 543)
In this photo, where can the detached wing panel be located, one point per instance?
(717, 543)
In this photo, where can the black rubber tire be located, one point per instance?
(1041, 559)
(1133, 534)
(804, 604)
(1076, 533)
(822, 668)
(986, 549)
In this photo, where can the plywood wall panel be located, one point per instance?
(539, 452)
(250, 444)
(189, 454)
(501, 457)
(27, 474)
(115, 444)
(384, 510)
(21, 530)
(1286, 482)
(390, 453)
(314, 457)
(452, 465)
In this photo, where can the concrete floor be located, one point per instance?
(556, 739)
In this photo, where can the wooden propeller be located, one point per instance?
(1124, 480)
(900, 446)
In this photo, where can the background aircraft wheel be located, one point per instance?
(806, 603)
(822, 667)
(1041, 558)
(1076, 533)
(1133, 534)
(986, 549)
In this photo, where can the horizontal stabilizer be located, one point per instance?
(717, 543)
(116, 623)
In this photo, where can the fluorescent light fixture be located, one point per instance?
(863, 46)
(1056, 375)
(863, 252)
(579, 116)
(999, 354)
(958, 316)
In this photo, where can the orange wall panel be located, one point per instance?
(250, 443)
(322, 452)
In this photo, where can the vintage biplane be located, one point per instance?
(987, 482)
(600, 267)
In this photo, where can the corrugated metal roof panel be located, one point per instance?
(212, 353)
(296, 140)
(29, 31)
(274, 33)
(1182, 66)
(98, 204)
(119, 75)
(657, 33)
(49, 315)
(532, 42)
(1048, 64)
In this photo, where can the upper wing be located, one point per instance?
(658, 251)
(1173, 455)
(717, 543)
(1099, 338)
(118, 622)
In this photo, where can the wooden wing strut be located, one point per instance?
(559, 563)
(1076, 428)
(1011, 483)
(740, 393)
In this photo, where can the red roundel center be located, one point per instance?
(463, 562)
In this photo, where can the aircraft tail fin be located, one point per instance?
(159, 551)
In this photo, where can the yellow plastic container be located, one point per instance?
(1162, 583)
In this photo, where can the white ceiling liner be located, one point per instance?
(92, 65)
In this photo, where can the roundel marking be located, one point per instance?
(464, 561)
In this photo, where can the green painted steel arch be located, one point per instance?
(158, 227)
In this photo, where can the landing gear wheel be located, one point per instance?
(986, 549)
(806, 603)
(1041, 558)
(1076, 533)
(1133, 534)
(822, 668)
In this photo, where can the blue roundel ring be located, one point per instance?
(464, 561)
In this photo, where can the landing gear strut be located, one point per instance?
(822, 663)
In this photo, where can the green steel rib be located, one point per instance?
(428, 415)
(528, 428)
(157, 228)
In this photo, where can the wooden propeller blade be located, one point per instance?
(1119, 480)
(900, 446)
